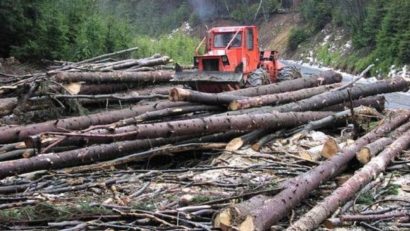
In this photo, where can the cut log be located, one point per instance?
(145, 62)
(341, 195)
(208, 124)
(324, 78)
(326, 150)
(377, 102)
(19, 133)
(277, 207)
(115, 77)
(264, 140)
(7, 105)
(166, 112)
(330, 148)
(80, 156)
(372, 149)
(238, 142)
(167, 149)
(280, 98)
(335, 97)
(94, 89)
(328, 77)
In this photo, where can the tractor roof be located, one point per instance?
(228, 28)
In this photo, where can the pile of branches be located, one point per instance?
(99, 82)
(106, 149)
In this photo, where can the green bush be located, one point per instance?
(296, 37)
(178, 46)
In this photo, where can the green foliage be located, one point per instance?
(365, 198)
(197, 199)
(380, 30)
(44, 31)
(178, 46)
(365, 35)
(296, 37)
(44, 210)
(328, 57)
(248, 12)
(317, 13)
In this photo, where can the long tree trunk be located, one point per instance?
(19, 133)
(377, 102)
(336, 97)
(280, 98)
(208, 124)
(339, 96)
(328, 77)
(94, 89)
(80, 156)
(115, 77)
(341, 195)
(297, 189)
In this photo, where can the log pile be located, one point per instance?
(145, 154)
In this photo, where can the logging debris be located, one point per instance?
(110, 143)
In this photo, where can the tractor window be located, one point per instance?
(249, 40)
(223, 39)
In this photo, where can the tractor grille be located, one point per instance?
(211, 64)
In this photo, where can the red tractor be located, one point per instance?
(232, 60)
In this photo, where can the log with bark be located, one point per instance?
(208, 124)
(271, 210)
(115, 77)
(371, 150)
(377, 102)
(280, 98)
(328, 77)
(335, 97)
(80, 156)
(341, 195)
(19, 133)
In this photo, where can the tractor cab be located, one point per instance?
(229, 56)
(229, 49)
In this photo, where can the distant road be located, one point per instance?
(393, 100)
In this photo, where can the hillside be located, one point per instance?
(345, 35)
